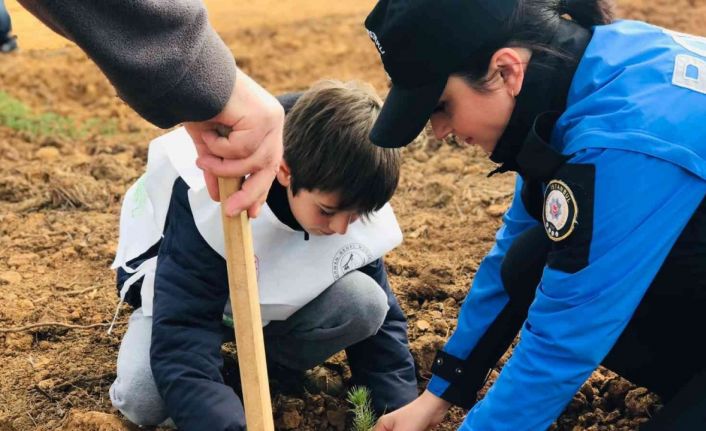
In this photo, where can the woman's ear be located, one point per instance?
(510, 65)
(284, 175)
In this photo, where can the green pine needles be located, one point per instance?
(363, 415)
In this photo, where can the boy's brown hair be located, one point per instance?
(327, 147)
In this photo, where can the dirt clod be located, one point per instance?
(290, 420)
(640, 402)
(337, 418)
(614, 391)
(423, 325)
(10, 277)
(19, 342)
(47, 154)
(496, 210)
(326, 380)
(95, 421)
(22, 259)
(424, 350)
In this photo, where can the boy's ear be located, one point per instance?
(284, 175)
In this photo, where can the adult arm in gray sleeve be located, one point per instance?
(164, 58)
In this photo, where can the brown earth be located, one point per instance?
(60, 199)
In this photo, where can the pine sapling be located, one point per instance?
(363, 415)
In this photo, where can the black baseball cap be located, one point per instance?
(421, 43)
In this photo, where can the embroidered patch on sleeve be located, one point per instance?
(560, 210)
(568, 216)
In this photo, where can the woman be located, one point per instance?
(602, 255)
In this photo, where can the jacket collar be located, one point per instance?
(279, 204)
(545, 89)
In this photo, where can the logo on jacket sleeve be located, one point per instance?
(560, 210)
(350, 257)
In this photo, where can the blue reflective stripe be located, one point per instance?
(437, 385)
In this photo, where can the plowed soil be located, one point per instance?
(60, 199)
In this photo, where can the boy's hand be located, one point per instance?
(253, 147)
(421, 414)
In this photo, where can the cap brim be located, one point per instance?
(404, 114)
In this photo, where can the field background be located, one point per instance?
(69, 148)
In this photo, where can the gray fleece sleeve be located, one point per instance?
(163, 57)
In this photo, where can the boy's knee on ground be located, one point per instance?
(362, 301)
(137, 398)
(134, 391)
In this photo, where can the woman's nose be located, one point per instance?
(441, 126)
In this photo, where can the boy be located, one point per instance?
(319, 294)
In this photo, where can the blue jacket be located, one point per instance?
(633, 133)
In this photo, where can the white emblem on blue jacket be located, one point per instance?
(560, 210)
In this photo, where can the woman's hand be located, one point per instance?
(421, 414)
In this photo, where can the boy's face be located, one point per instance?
(316, 211)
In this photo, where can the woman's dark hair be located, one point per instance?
(530, 25)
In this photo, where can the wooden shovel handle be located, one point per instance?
(245, 302)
